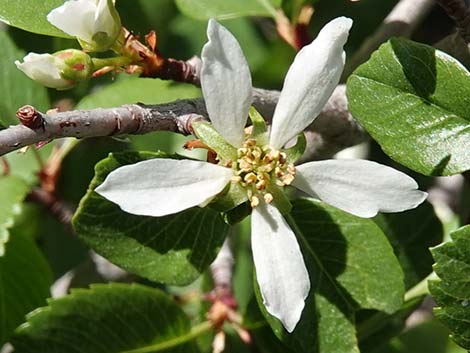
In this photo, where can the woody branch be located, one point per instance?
(332, 131)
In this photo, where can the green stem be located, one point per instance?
(195, 332)
(38, 157)
(420, 289)
(116, 61)
(269, 7)
(379, 320)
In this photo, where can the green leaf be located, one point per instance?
(452, 291)
(351, 267)
(108, 318)
(251, 40)
(17, 89)
(262, 335)
(226, 9)
(429, 336)
(13, 191)
(415, 102)
(25, 279)
(174, 249)
(30, 15)
(25, 276)
(411, 239)
(375, 329)
(130, 90)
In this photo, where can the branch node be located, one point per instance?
(30, 117)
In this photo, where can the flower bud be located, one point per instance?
(61, 70)
(95, 23)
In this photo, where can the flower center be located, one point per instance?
(258, 168)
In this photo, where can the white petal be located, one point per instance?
(310, 81)
(45, 69)
(280, 268)
(360, 187)
(158, 187)
(226, 83)
(76, 18)
(104, 20)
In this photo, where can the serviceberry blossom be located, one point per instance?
(257, 164)
(95, 23)
(61, 70)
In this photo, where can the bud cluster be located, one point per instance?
(259, 167)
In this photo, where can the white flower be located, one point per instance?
(61, 70)
(45, 69)
(160, 187)
(95, 23)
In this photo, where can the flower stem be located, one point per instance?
(117, 61)
(38, 157)
(420, 289)
(195, 332)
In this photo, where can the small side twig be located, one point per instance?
(55, 206)
(460, 13)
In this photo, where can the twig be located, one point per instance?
(460, 13)
(56, 207)
(401, 21)
(457, 44)
(222, 270)
(332, 131)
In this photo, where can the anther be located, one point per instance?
(236, 179)
(250, 178)
(254, 201)
(268, 198)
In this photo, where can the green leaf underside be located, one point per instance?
(351, 266)
(105, 319)
(130, 89)
(30, 15)
(411, 240)
(25, 276)
(415, 102)
(223, 9)
(25, 279)
(17, 89)
(174, 249)
(13, 191)
(452, 291)
(211, 138)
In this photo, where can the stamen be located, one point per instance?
(254, 201)
(268, 198)
(258, 167)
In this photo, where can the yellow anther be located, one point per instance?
(258, 167)
(236, 179)
(250, 178)
(274, 154)
(244, 165)
(268, 198)
(241, 152)
(254, 201)
(288, 179)
(261, 185)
